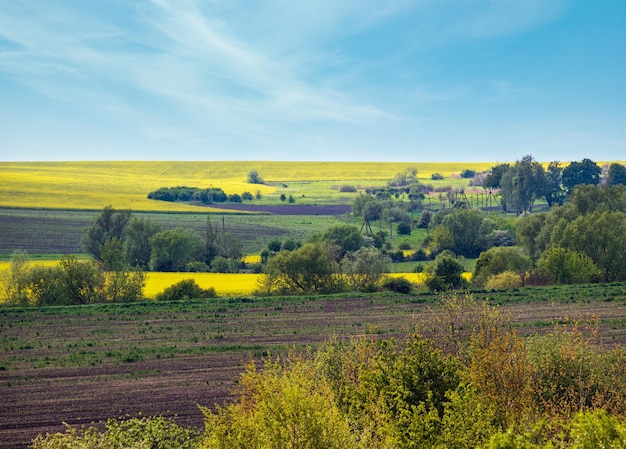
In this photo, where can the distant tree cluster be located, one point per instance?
(194, 194)
(523, 183)
(336, 260)
(71, 282)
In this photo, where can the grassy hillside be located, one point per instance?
(94, 185)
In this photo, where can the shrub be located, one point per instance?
(506, 279)
(404, 228)
(445, 273)
(404, 245)
(398, 285)
(466, 174)
(436, 177)
(347, 189)
(254, 177)
(185, 289)
(151, 432)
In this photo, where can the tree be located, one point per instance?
(109, 224)
(364, 269)
(589, 198)
(12, 282)
(498, 260)
(585, 172)
(493, 179)
(404, 228)
(346, 237)
(120, 282)
(137, 241)
(602, 237)
(185, 289)
(173, 249)
(254, 177)
(81, 280)
(522, 184)
(554, 193)
(564, 266)
(308, 269)
(445, 273)
(466, 232)
(616, 175)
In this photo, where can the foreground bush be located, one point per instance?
(153, 433)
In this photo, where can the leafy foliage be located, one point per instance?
(185, 289)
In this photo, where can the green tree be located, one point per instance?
(81, 280)
(616, 175)
(466, 232)
(185, 289)
(109, 224)
(602, 237)
(44, 286)
(563, 266)
(589, 198)
(254, 177)
(554, 193)
(584, 172)
(364, 268)
(522, 184)
(493, 179)
(445, 273)
(12, 281)
(120, 282)
(308, 269)
(345, 237)
(498, 260)
(172, 250)
(137, 241)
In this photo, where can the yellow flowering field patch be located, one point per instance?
(126, 184)
(225, 284)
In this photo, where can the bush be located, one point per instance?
(347, 189)
(436, 176)
(398, 285)
(445, 273)
(152, 432)
(404, 228)
(506, 279)
(466, 174)
(185, 289)
(404, 245)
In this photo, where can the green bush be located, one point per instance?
(151, 432)
(185, 289)
(398, 285)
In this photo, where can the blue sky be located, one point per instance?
(325, 80)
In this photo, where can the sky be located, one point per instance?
(323, 80)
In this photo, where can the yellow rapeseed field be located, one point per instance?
(225, 284)
(94, 185)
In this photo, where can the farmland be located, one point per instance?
(87, 363)
(60, 231)
(125, 185)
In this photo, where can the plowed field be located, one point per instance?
(84, 364)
